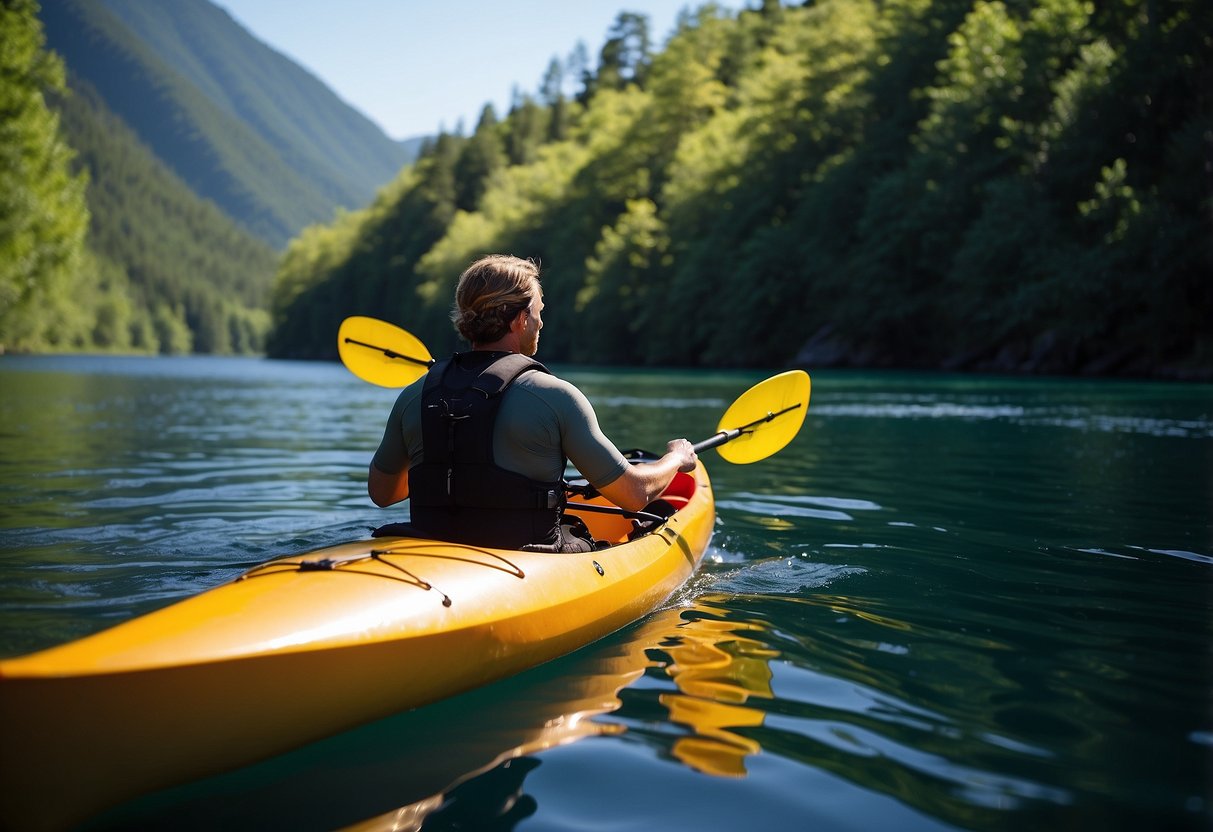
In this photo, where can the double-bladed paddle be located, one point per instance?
(758, 424)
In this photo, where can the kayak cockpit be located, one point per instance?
(617, 528)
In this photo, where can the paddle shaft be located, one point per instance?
(597, 509)
(390, 353)
(700, 447)
(730, 435)
(712, 442)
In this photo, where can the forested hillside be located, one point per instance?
(1019, 185)
(187, 278)
(134, 230)
(240, 124)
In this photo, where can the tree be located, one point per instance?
(626, 54)
(577, 68)
(551, 89)
(551, 92)
(618, 286)
(526, 129)
(479, 158)
(43, 214)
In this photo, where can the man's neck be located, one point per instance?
(507, 344)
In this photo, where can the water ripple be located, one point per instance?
(1083, 419)
(948, 604)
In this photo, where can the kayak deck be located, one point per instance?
(305, 646)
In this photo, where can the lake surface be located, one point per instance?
(951, 603)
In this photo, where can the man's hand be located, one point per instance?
(683, 453)
(643, 483)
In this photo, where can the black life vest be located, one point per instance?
(457, 491)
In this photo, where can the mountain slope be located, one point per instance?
(183, 258)
(271, 186)
(285, 104)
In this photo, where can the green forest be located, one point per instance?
(1005, 185)
(967, 184)
(153, 157)
(102, 248)
(191, 280)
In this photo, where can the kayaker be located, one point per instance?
(479, 444)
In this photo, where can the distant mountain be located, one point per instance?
(239, 123)
(412, 147)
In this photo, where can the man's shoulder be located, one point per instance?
(538, 380)
(556, 391)
(412, 391)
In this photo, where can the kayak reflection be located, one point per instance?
(462, 762)
(717, 670)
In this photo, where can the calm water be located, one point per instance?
(951, 603)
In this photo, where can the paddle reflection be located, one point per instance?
(461, 763)
(717, 670)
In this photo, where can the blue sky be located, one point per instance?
(414, 65)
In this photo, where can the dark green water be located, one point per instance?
(951, 603)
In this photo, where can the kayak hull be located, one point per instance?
(307, 646)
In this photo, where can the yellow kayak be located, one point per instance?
(306, 646)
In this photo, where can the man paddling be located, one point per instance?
(479, 444)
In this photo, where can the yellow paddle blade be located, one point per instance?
(769, 415)
(381, 353)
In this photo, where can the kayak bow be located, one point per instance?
(305, 646)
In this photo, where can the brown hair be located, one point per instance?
(491, 293)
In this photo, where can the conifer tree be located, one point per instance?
(43, 216)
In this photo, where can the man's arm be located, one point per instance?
(641, 484)
(597, 458)
(387, 489)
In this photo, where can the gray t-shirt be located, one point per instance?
(541, 419)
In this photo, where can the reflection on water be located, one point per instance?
(717, 670)
(462, 763)
(951, 603)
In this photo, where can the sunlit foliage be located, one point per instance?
(999, 184)
(43, 215)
